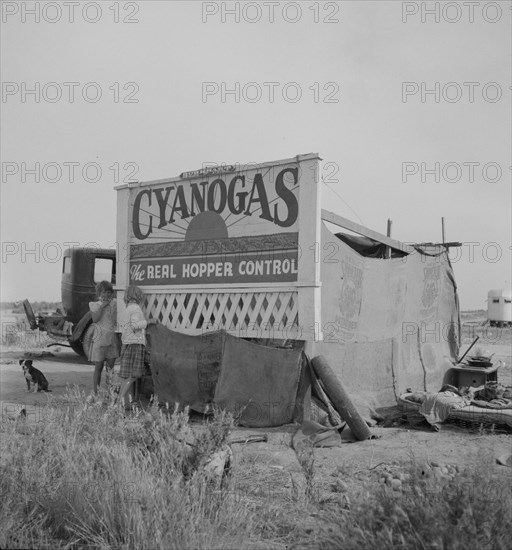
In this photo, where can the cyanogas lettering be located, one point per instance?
(288, 197)
(136, 212)
(259, 196)
(177, 202)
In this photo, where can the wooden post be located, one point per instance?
(309, 262)
(442, 229)
(388, 233)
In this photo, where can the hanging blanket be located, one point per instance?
(185, 369)
(258, 383)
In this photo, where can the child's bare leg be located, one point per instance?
(125, 389)
(109, 372)
(96, 378)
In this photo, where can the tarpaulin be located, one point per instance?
(258, 383)
(185, 369)
(388, 324)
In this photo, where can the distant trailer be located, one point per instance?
(499, 307)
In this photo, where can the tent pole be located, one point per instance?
(388, 249)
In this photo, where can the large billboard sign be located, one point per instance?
(244, 231)
(237, 226)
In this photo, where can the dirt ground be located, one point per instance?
(393, 447)
(61, 366)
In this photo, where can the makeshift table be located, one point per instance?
(466, 375)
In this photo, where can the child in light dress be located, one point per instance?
(133, 341)
(104, 347)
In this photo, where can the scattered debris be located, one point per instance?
(219, 463)
(249, 439)
(315, 435)
(19, 414)
(505, 459)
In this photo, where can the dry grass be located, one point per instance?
(16, 333)
(469, 512)
(98, 479)
(93, 478)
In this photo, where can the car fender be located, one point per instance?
(81, 327)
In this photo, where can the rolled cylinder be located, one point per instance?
(340, 398)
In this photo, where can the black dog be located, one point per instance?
(33, 375)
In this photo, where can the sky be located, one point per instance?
(407, 103)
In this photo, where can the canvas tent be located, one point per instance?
(245, 252)
(389, 323)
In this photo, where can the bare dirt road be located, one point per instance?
(61, 366)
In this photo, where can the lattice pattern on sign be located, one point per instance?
(231, 311)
